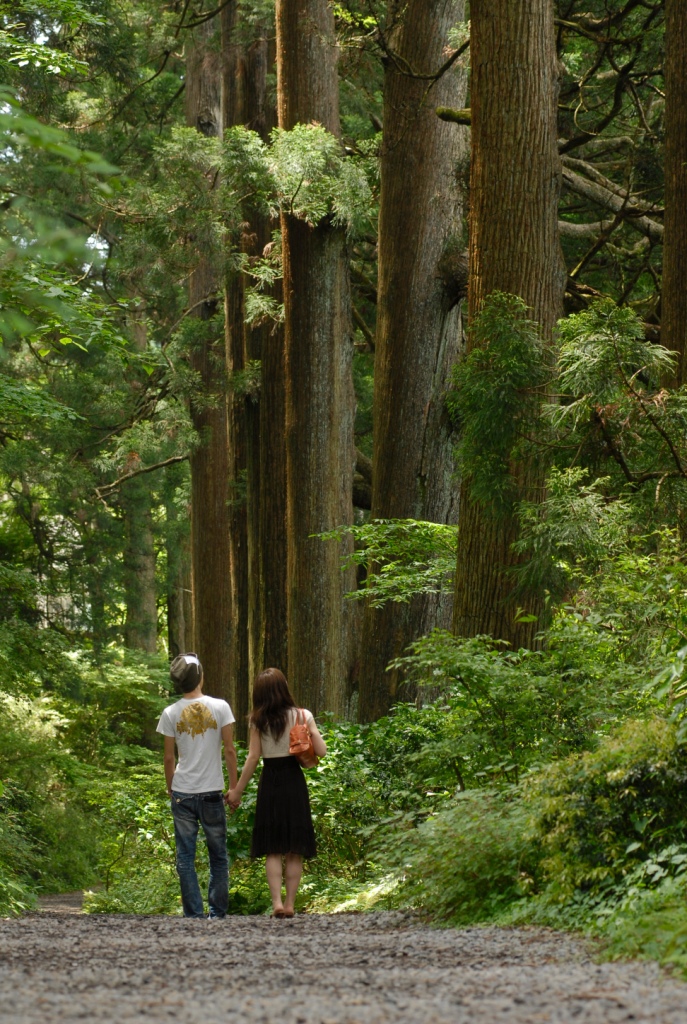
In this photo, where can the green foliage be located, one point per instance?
(602, 351)
(423, 806)
(628, 616)
(314, 180)
(33, 242)
(136, 862)
(595, 841)
(63, 757)
(598, 817)
(470, 861)
(20, 401)
(574, 528)
(402, 558)
(496, 400)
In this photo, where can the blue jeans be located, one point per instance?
(191, 810)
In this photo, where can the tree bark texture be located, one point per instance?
(178, 543)
(307, 54)
(320, 453)
(514, 247)
(210, 540)
(674, 283)
(266, 421)
(233, 103)
(273, 536)
(179, 614)
(418, 320)
(140, 627)
(244, 102)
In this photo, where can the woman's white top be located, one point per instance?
(280, 747)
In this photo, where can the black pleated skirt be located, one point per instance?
(283, 823)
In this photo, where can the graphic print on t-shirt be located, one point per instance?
(196, 719)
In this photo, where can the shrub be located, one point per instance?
(600, 815)
(470, 861)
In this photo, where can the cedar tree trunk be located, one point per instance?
(209, 463)
(514, 248)
(418, 320)
(319, 390)
(245, 102)
(140, 627)
(674, 286)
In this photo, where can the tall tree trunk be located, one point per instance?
(273, 538)
(674, 284)
(244, 102)
(94, 559)
(514, 247)
(178, 544)
(319, 391)
(179, 623)
(264, 419)
(418, 319)
(140, 627)
(211, 556)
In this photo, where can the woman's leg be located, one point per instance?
(292, 874)
(273, 871)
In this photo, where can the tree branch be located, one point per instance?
(572, 230)
(363, 466)
(616, 201)
(462, 116)
(107, 489)
(623, 77)
(364, 329)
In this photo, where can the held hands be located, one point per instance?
(232, 799)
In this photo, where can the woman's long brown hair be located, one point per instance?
(271, 702)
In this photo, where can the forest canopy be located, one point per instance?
(334, 342)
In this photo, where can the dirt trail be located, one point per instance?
(346, 969)
(62, 903)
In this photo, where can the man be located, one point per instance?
(199, 726)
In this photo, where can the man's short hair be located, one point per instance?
(186, 672)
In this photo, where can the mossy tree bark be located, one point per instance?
(514, 248)
(210, 524)
(674, 283)
(320, 454)
(418, 318)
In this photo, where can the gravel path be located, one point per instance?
(346, 969)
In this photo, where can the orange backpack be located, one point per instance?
(300, 742)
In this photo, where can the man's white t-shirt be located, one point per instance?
(196, 724)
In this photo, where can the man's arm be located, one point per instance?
(229, 753)
(233, 797)
(170, 762)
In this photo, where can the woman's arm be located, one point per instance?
(254, 754)
(318, 744)
(229, 753)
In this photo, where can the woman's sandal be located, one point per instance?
(289, 913)
(279, 914)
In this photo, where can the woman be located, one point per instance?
(283, 823)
